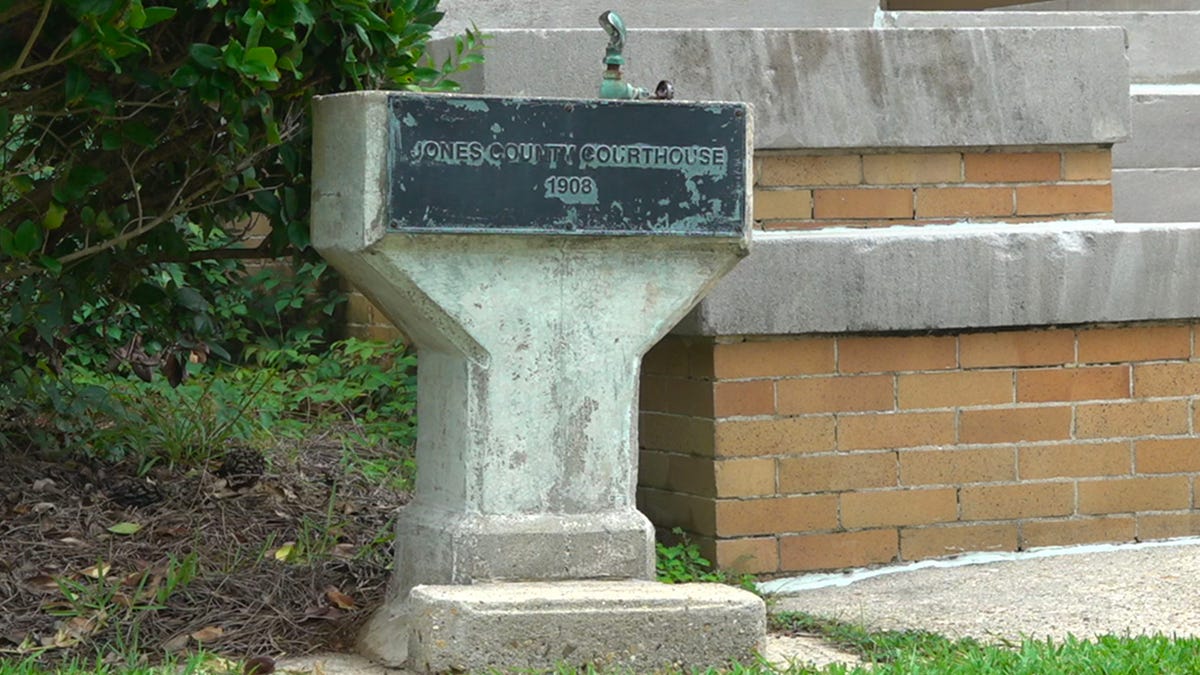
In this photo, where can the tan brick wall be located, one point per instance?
(804, 192)
(365, 321)
(818, 452)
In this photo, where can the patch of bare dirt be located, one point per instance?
(292, 562)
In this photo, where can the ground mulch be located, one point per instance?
(291, 564)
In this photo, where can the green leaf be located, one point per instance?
(27, 239)
(291, 202)
(191, 299)
(206, 56)
(267, 202)
(125, 528)
(54, 216)
(186, 76)
(264, 56)
(80, 179)
(50, 264)
(137, 15)
(140, 133)
(155, 15)
(77, 83)
(147, 295)
(298, 234)
(101, 99)
(22, 184)
(110, 140)
(304, 15)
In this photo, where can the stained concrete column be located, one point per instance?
(530, 347)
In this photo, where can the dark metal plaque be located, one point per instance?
(554, 166)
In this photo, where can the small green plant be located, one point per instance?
(682, 563)
(316, 539)
(179, 573)
(99, 598)
(370, 384)
(194, 423)
(395, 468)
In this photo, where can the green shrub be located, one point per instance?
(138, 144)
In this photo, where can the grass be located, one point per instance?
(921, 653)
(199, 663)
(884, 652)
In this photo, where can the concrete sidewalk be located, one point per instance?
(1083, 591)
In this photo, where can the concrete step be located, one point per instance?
(1156, 195)
(1166, 128)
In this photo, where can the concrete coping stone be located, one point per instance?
(956, 277)
(495, 14)
(1162, 44)
(846, 88)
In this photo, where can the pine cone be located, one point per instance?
(242, 467)
(135, 493)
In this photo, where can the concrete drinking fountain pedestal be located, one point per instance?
(534, 250)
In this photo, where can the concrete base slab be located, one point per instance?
(640, 625)
(782, 652)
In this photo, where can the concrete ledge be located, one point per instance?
(1165, 118)
(1162, 45)
(1104, 6)
(956, 277)
(1156, 195)
(495, 14)
(852, 88)
(641, 626)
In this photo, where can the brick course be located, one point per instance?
(922, 187)
(824, 452)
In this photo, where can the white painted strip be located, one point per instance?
(1187, 89)
(969, 228)
(811, 582)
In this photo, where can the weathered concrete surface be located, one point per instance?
(1157, 195)
(852, 88)
(1085, 592)
(530, 350)
(782, 651)
(642, 626)
(1162, 45)
(1157, 176)
(960, 276)
(1166, 129)
(1104, 6)
(495, 14)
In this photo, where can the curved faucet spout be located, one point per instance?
(612, 24)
